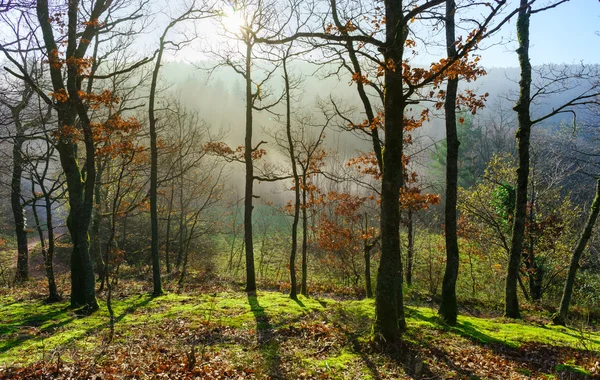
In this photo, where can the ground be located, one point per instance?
(222, 333)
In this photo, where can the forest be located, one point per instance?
(297, 189)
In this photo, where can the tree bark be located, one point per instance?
(535, 273)
(96, 251)
(47, 252)
(304, 286)
(511, 307)
(22, 273)
(288, 128)
(168, 234)
(249, 164)
(367, 247)
(80, 183)
(156, 280)
(389, 307)
(561, 316)
(449, 307)
(409, 249)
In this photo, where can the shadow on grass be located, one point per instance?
(355, 325)
(50, 330)
(464, 329)
(536, 358)
(300, 303)
(574, 333)
(268, 345)
(33, 321)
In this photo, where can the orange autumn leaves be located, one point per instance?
(117, 137)
(112, 137)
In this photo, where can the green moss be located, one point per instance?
(503, 331)
(572, 368)
(30, 329)
(335, 365)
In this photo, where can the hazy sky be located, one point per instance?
(565, 34)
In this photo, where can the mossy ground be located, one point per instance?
(231, 334)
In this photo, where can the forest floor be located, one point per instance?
(221, 333)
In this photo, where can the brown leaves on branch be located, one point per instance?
(221, 149)
(116, 137)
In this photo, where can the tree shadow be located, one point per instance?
(33, 321)
(50, 330)
(535, 357)
(577, 335)
(362, 352)
(300, 303)
(464, 329)
(267, 342)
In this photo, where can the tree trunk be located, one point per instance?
(288, 128)
(47, 252)
(156, 280)
(22, 273)
(367, 256)
(248, 192)
(536, 276)
(389, 307)
(168, 234)
(409, 249)
(96, 251)
(511, 308)
(48, 264)
(304, 288)
(535, 273)
(561, 316)
(182, 220)
(449, 307)
(83, 291)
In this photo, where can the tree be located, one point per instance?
(401, 82)
(474, 151)
(17, 108)
(49, 196)
(70, 106)
(487, 216)
(292, 155)
(67, 33)
(561, 316)
(555, 80)
(195, 180)
(190, 13)
(251, 17)
(448, 306)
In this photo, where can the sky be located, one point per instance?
(565, 34)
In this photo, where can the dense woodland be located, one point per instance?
(304, 186)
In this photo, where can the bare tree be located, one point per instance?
(552, 80)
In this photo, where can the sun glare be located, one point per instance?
(232, 20)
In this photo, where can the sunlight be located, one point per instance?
(232, 20)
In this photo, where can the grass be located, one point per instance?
(271, 335)
(504, 331)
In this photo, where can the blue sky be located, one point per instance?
(565, 34)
